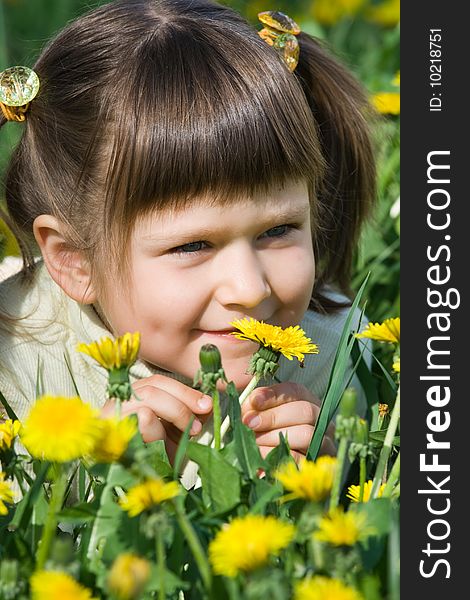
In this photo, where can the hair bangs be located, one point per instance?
(201, 123)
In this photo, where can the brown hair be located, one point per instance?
(146, 104)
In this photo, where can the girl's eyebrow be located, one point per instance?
(285, 214)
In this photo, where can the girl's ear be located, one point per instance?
(67, 267)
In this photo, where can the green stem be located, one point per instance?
(243, 396)
(341, 456)
(387, 447)
(217, 418)
(194, 544)
(117, 408)
(393, 478)
(55, 505)
(161, 566)
(317, 554)
(362, 477)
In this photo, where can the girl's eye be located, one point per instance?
(190, 248)
(278, 231)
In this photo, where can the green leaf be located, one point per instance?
(10, 412)
(379, 436)
(220, 480)
(180, 456)
(79, 513)
(154, 454)
(278, 455)
(24, 508)
(336, 384)
(244, 439)
(172, 582)
(262, 495)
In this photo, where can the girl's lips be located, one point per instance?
(220, 334)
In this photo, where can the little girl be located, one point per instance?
(178, 173)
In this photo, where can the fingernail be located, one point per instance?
(205, 402)
(253, 422)
(196, 427)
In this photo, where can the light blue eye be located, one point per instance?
(278, 231)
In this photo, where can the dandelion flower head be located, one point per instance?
(387, 103)
(247, 543)
(6, 494)
(148, 494)
(353, 491)
(114, 354)
(57, 585)
(128, 576)
(324, 588)
(341, 528)
(291, 342)
(388, 331)
(114, 439)
(310, 480)
(8, 431)
(60, 429)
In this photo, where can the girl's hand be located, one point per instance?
(289, 408)
(164, 408)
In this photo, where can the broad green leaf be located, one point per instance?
(244, 439)
(220, 480)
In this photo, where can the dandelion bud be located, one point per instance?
(348, 403)
(210, 359)
(211, 370)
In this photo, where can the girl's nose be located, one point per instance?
(241, 278)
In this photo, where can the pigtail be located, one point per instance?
(346, 196)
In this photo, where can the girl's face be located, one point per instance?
(196, 270)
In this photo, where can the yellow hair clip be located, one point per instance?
(280, 32)
(18, 86)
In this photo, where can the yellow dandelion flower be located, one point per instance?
(387, 103)
(388, 331)
(310, 480)
(353, 491)
(113, 440)
(114, 354)
(341, 528)
(387, 13)
(60, 429)
(145, 495)
(324, 588)
(247, 543)
(396, 365)
(57, 585)
(6, 494)
(291, 342)
(396, 79)
(329, 12)
(128, 576)
(8, 431)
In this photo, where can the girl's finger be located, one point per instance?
(280, 393)
(150, 426)
(286, 415)
(195, 400)
(164, 406)
(298, 437)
